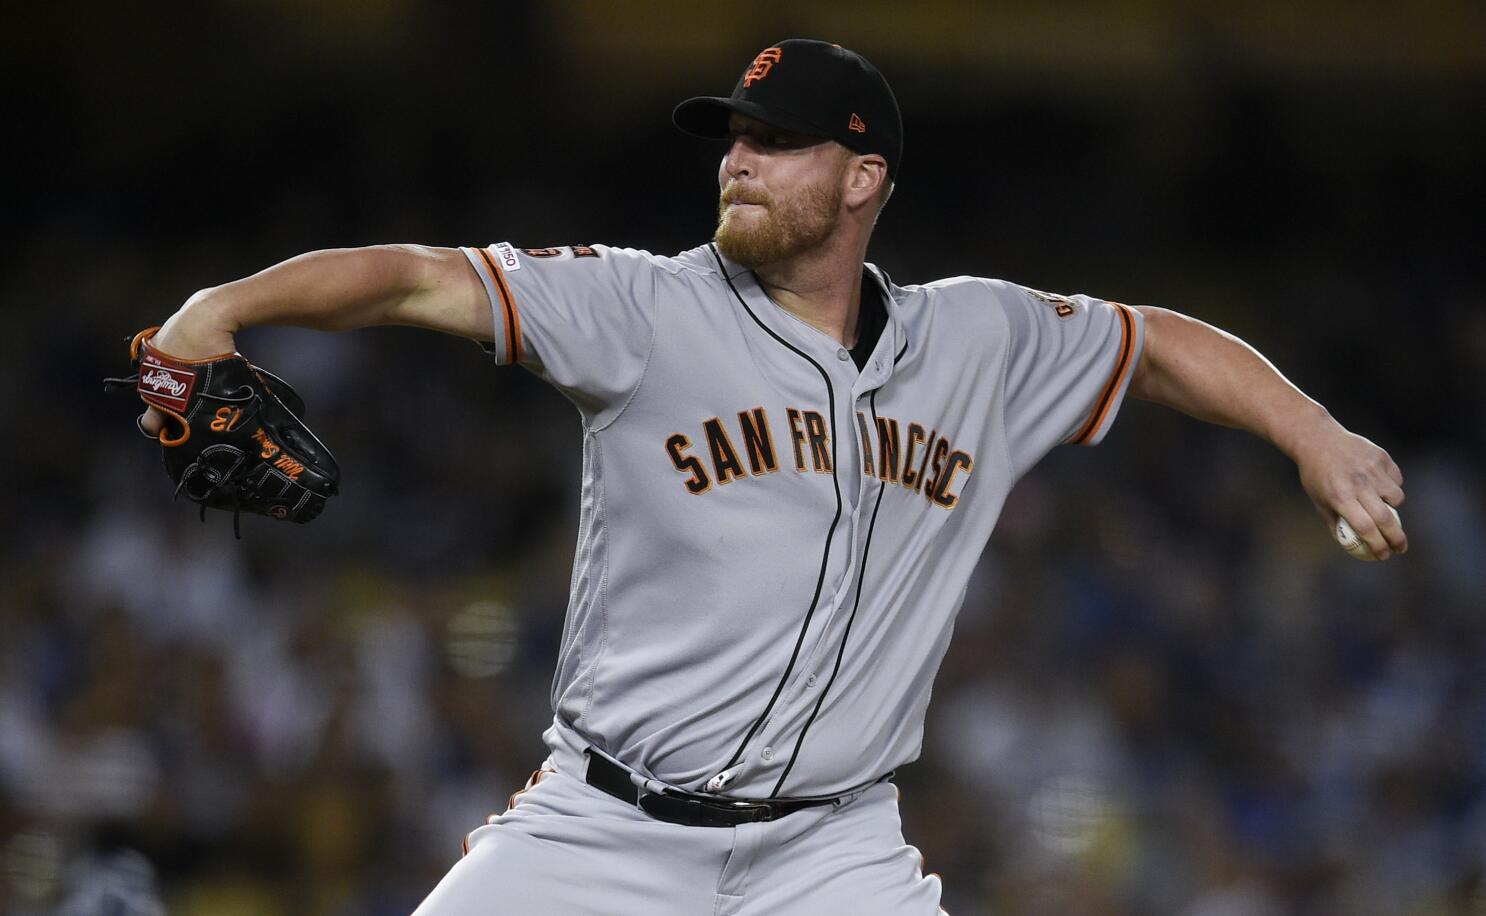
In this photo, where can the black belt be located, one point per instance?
(685, 808)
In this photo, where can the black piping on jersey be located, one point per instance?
(830, 532)
(840, 651)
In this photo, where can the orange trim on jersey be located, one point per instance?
(1116, 379)
(491, 272)
(508, 303)
(515, 314)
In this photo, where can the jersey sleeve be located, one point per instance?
(581, 317)
(1069, 363)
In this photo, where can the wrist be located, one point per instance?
(201, 328)
(1293, 433)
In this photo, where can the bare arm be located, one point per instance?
(336, 290)
(1211, 375)
(333, 290)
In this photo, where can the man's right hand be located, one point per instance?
(195, 331)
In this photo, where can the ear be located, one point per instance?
(865, 176)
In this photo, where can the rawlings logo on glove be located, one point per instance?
(238, 441)
(160, 378)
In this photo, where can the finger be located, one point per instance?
(1390, 527)
(1391, 493)
(1366, 528)
(1323, 506)
(1395, 473)
(151, 422)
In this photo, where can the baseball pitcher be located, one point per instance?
(791, 464)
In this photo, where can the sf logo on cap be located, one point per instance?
(762, 64)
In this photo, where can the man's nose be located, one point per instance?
(739, 161)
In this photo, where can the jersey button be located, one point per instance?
(843, 355)
(810, 681)
(768, 753)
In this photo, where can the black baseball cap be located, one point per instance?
(808, 87)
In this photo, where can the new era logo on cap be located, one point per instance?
(855, 124)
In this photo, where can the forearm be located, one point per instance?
(1209, 374)
(1214, 376)
(333, 290)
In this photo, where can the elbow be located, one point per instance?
(1164, 355)
(419, 269)
(1145, 378)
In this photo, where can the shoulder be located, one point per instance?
(978, 292)
(601, 269)
(1000, 301)
(701, 263)
(964, 299)
(578, 257)
(696, 264)
(988, 315)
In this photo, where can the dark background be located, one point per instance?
(1169, 691)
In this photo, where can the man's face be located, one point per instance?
(781, 193)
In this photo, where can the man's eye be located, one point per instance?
(765, 138)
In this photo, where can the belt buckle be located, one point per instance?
(678, 808)
(765, 808)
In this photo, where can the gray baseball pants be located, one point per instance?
(565, 848)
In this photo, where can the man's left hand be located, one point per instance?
(1346, 475)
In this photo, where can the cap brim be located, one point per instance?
(707, 117)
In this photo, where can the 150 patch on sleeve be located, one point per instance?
(505, 253)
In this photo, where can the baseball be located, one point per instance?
(1353, 544)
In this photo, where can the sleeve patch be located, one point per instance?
(1062, 305)
(577, 251)
(507, 256)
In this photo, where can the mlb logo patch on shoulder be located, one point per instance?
(1062, 305)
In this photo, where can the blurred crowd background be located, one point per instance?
(1169, 692)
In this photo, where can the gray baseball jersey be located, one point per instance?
(773, 544)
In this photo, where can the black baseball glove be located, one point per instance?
(239, 443)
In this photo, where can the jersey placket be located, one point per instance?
(772, 749)
(806, 693)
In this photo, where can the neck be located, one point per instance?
(823, 288)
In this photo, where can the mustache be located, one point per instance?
(735, 193)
